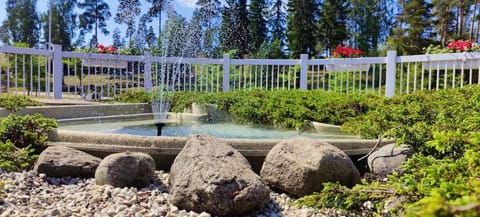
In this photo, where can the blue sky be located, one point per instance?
(184, 7)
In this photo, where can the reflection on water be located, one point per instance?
(220, 130)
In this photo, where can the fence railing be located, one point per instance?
(58, 74)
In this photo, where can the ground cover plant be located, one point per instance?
(441, 179)
(14, 102)
(22, 138)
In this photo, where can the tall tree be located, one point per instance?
(257, 24)
(472, 21)
(95, 15)
(194, 36)
(227, 33)
(209, 11)
(412, 35)
(301, 28)
(64, 22)
(370, 23)
(173, 37)
(143, 35)
(277, 21)
(127, 13)
(443, 19)
(158, 6)
(332, 24)
(118, 42)
(22, 23)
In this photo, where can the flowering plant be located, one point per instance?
(342, 51)
(459, 45)
(453, 46)
(106, 49)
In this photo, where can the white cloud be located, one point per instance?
(187, 3)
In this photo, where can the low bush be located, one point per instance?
(22, 138)
(15, 103)
(282, 108)
(441, 179)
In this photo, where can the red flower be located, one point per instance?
(106, 49)
(460, 45)
(342, 51)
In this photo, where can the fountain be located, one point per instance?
(175, 41)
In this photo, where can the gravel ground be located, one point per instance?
(32, 194)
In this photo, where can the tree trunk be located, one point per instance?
(461, 12)
(472, 23)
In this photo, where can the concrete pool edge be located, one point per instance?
(165, 149)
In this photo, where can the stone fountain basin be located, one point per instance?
(165, 149)
(162, 149)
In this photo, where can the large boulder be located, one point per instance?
(388, 159)
(62, 161)
(299, 166)
(126, 169)
(208, 175)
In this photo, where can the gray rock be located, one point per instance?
(125, 169)
(388, 159)
(299, 166)
(208, 175)
(61, 161)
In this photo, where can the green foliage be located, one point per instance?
(339, 196)
(15, 103)
(27, 130)
(133, 96)
(292, 108)
(15, 159)
(414, 118)
(21, 139)
(439, 180)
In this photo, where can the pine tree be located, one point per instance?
(370, 23)
(158, 6)
(64, 23)
(443, 19)
(173, 37)
(332, 24)
(277, 21)
(227, 34)
(194, 36)
(127, 13)
(257, 25)
(22, 23)
(209, 11)
(234, 27)
(301, 28)
(94, 17)
(117, 38)
(411, 36)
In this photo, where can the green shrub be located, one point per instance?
(442, 178)
(415, 118)
(27, 130)
(15, 103)
(15, 159)
(133, 96)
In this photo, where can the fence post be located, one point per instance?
(57, 71)
(303, 71)
(226, 72)
(147, 83)
(391, 71)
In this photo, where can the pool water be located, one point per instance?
(219, 130)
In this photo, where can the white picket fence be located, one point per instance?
(58, 74)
